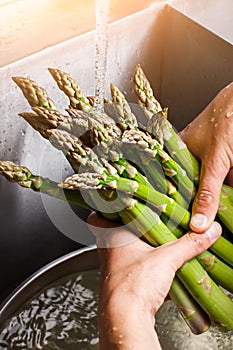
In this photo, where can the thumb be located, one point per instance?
(206, 203)
(192, 244)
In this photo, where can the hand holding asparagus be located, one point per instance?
(152, 195)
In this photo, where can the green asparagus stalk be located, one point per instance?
(195, 317)
(228, 190)
(24, 177)
(225, 210)
(159, 125)
(220, 272)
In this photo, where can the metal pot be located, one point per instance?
(44, 299)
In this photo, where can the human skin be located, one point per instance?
(135, 280)
(209, 137)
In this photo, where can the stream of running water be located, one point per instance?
(101, 13)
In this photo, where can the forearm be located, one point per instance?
(125, 323)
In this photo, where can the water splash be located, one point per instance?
(101, 12)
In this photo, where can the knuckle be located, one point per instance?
(196, 242)
(205, 197)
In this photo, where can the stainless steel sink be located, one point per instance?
(186, 63)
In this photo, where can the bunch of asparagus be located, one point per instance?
(137, 172)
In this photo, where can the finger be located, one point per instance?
(191, 245)
(206, 203)
(109, 234)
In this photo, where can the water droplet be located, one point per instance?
(229, 114)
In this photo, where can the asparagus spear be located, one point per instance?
(125, 117)
(35, 95)
(144, 93)
(149, 148)
(24, 177)
(195, 317)
(161, 129)
(71, 89)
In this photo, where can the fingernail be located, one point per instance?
(198, 220)
(213, 231)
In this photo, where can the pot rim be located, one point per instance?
(82, 259)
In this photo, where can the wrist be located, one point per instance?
(126, 322)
